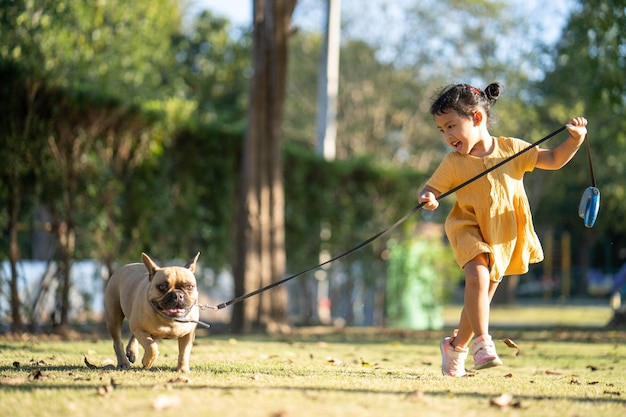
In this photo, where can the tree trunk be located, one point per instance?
(14, 255)
(66, 237)
(66, 149)
(260, 238)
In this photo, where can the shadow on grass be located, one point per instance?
(381, 335)
(610, 398)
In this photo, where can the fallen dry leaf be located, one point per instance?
(416, 395)
(505, 401)
(108, 361)
(105, 390)
(180, 380)
(513, 345)
(163, 402)
(549, 372)
(37, 375)
(89, 364)
(332, 361)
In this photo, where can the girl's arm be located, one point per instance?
(562, 154)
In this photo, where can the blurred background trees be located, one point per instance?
(123, 124)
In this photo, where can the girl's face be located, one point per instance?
(461, 133)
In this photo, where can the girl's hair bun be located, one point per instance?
(492, 91)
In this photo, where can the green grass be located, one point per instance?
(542, 315)
(564, 372)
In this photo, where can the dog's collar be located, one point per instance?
(197, 322)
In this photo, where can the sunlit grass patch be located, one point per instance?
(330, 372)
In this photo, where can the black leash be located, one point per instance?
(387, 230)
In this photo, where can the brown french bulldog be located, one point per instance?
(159, 303)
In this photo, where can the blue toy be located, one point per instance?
(589, 206)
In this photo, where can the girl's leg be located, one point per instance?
(479, 290)
(464, 323)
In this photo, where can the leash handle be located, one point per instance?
(387, 230)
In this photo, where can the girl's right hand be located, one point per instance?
(429, 200)
(577, 128)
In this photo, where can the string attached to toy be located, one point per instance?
(590, 201)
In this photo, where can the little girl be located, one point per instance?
(490, 226)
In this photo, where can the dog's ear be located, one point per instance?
(191, 265)
(149, 263)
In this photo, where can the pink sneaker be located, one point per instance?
(452, 358)
(484, 352)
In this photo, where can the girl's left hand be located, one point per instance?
(577, 127)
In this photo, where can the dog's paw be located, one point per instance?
(132, 356)
(122, 363)
(183, 369)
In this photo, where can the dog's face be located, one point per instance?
(173, 291)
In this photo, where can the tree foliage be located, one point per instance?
(216, 70)
(129, 131)
(116, 48)
(589, 78)
(388, 75)
(68, 73)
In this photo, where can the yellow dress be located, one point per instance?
(492, 214)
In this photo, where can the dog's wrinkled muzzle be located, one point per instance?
(173, 312)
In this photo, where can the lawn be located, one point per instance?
(565, 371)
